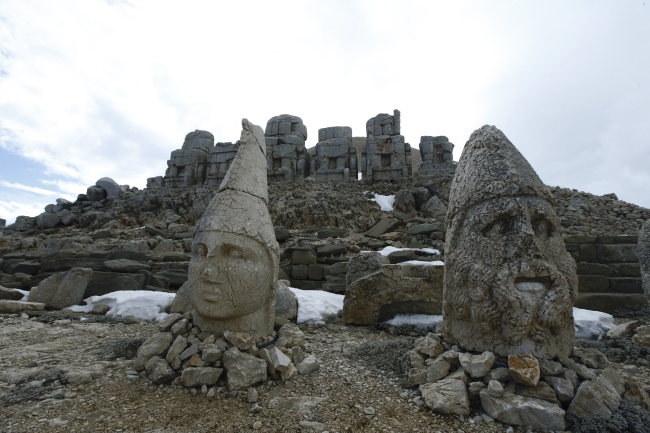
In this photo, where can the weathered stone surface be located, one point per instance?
(308, 365)
(429, 345)
(198, 376)
(10, 294)
(234, 265)
(523, 411)
(563, 388)
(169, 320)
(161, 372)
(501, 374)
(434, 207)
(331, 250)
(243, 370)
(610, 302)
(643, 252)
(386, 156)
(549, 368)
(581, 370)
(286, 156)
(510, 284)
(242, 340)
(595, 398)
(393, 289)
(542, 391)
(363, 265)
(124, 265)
(110, 186)
(154, 346)
(477, 366)
(524, 369)
(293, 335)
(177, 347)
(447, 396)
(437, 370)
(63, 289)
(623, 330)
(383, 226)
(286, 304)
(16, 307)
(635, 393)
(102, 283)
(416, 376)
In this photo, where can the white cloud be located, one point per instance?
(92, 89)
(35, 190)
(11, 209)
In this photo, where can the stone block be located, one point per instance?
(609, 302)
(617, 253)
(331, 250)
(588, 253)
(626, 285)
(299, 272)
(596, 269)
(315, 272)
(17, 307)
(303, 257)
(102, 283)
(627, 269)
(593, 283)
(383, 226)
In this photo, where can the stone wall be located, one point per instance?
(387, 156)
(609, 274)
(221, 156)
(334, 157)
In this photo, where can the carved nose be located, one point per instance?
(525, 239)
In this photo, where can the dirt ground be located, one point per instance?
(57, 375)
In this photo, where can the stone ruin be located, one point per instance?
(643, 252)
(286, 155)
(386, 156)
(221, 156)
(335, 158)
(187, 166)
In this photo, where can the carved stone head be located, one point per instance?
(510, 284)
(234, 263)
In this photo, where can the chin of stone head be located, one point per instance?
(230, 275)
(508, 267)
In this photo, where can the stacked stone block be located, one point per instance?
(221, 156)
(609, 274)
(437, 153)
(312, 267)
(386, 155)
(187, 166)
(335, 158)
(286, 156)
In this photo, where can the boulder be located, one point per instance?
(524, 369)
(477, 366)
(308, 365)
(383, 226)
(286, 304)
(95, 193)
(17, 307)
(447, 396)
(293, 335)
(437, 370)
(595, 398)
(563, 388)
(110, 186)
(124, 265)
(10, 294)
(102, 283)
(63, 289)
(156, 345)
(522, 411)
(47, 220)
(635, 393)
(392, 290)
(542, 391)
(199, 376)
(243, 370)
(161, 372)
(429, 345)
(434, 208)
(364, 264)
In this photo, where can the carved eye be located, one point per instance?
(234, 252)
(542, 227)
(497, 228)
(201, 249)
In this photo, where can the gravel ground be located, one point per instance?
(70, 376)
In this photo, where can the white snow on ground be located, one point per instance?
(25, 294)
(423, 321)
(141, 304)
(591, 325)
(418, 262)
(385, 202)
(315, 306)
(387, 250)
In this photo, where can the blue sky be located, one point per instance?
(92, 88)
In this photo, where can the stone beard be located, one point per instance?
(510, 284)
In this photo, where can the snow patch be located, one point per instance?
(385, 202)
(387, 250)
(141, 304)
(423, 321)
(591, 325)
(25, 294)
(316, 306)
(422, 263)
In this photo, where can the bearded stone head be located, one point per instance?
(509, 282)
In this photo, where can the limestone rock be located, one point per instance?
(563, 388)
(293, 335)
(615, 379)
(17, 307)
(416, 376)
(110, 186)
(477, 366)
(643, 252)
(63, 289)
(124, 265)
(642, 336)
(542, 391)
(10, 294)
(623, 330)
(438, 370)
(161, 372)
(275, 359)
(363, 265)
(154, 346)
(429, 345)
(523, 411)
(447, 396)
(581, 370)
(502, 374)
(242, 340)
(549, 368)
(509, 286)
(169, 321)
(595, 398)
(177, 347)
(524, 369)
(198, 376)
(286, 304)
(308, 365)
(635, 393)
(243, 370)
(393, 289)
(459, 375)
(433, 208)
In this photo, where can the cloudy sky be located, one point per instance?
(92, 88)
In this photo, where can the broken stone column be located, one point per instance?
(233, 269)
(335, 158)
(437, 167)
(286, 156)
(221, 156)
(187, 166)
(509, 284)
(386, 155)
(643, 251)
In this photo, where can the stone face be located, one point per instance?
(510, 284)
(234, 264)
(63, 289)
(243, 370)
(447, 396)
(477, 366)
(524, 369)
(391, 290)
(523, 411)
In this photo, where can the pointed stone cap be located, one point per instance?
(491, 167)
(240, 206)
(247, 172)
